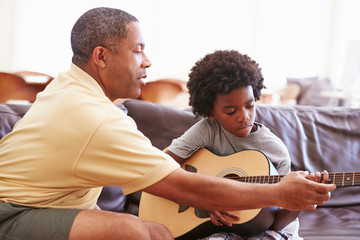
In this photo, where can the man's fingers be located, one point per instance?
(321, 193)
(325, 176)
(303, 173)
(324, 187)
(312, 207)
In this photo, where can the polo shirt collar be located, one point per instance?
(82, 76)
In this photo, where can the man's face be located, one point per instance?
(235, 111)
(126, 69)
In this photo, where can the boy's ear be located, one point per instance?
(99, 56)
(211, 117)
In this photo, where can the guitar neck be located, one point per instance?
(340, 179)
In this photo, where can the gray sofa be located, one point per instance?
(318, 138)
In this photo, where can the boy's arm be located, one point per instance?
(176, 157)
(283, 218)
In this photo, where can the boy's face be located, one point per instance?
(235, 111)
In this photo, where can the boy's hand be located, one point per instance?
(219, 218)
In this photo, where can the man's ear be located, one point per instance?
(99, 56)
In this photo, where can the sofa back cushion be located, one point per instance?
(9, 115)
(160, 123)
(319, 138)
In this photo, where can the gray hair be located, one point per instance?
(102, 26)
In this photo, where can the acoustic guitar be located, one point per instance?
(249, 166)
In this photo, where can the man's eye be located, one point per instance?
(250, 106)
(139, 49)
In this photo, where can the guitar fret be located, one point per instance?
(341, 179)
(346, 179)
(353, 179)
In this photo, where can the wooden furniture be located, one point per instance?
(171, 92)
(14, 88)
(35, 77)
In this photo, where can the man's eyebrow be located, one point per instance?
(141, 44)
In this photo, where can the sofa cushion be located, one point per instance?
(9, 115)
(112, 198)
(159, 123)
(319, 138)
(331, 223)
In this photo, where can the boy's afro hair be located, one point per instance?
(220, 73)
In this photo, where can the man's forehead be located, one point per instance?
(134, 34)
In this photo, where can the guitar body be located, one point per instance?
(194, 223)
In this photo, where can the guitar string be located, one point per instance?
(266, 179)
(339, 179)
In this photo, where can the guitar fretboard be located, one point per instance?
(340, 179)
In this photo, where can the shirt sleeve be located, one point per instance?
(276, 151)
(194, 138)
(118, 154)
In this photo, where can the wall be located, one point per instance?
(7, 8)
(287, 38)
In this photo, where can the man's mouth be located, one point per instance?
(142, 80)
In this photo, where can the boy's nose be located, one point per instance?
(242, 117)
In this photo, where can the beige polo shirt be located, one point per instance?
(70, 143)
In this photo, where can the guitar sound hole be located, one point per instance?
(232, 176)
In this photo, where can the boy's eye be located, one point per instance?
(231, 112)
(250, 106)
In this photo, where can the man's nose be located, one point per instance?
(146, 62)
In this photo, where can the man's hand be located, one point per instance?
(296, 192)
(284, 216)
(223, 217)
(316, 177)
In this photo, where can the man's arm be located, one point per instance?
(293, 192)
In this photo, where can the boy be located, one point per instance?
(223, 88)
